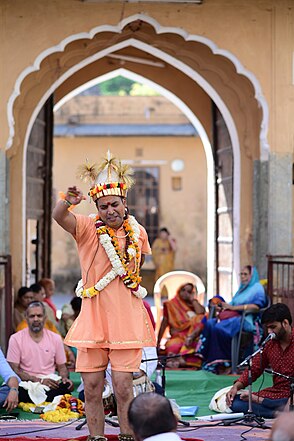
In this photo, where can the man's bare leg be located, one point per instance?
(93, 386)
(123, 390)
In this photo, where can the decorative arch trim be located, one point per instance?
(219, 102)
(264, 146)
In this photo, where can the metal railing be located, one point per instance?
(281, 280)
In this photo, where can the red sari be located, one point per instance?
(182, 321)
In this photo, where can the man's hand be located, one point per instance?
(255, 399)
(231, 395)
(69, 383)
(61, 212)
(74, 195)
(11, 401)
(50, 383)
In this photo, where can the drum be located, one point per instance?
(108, 397)
(142, 384)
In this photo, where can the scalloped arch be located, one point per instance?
(185, 68)
(240, 69)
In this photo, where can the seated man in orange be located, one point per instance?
(35, 352)
(39, 295)
(183, 315)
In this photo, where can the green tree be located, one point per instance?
(116, 86)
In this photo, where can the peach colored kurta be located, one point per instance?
(114, 318)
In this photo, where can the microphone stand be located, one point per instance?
(250, 417)
(291, 379)
(162, 359)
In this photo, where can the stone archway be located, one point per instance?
(197, 60)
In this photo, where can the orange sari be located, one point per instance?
(182, 321)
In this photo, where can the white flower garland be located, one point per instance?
(117, 267)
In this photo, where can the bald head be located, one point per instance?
(150, 414)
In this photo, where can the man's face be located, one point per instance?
(279, 328)
(35, 318)
(50, 288)
(39, 296)
(111, 210)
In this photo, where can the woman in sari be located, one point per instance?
(183, 315)
(163, 253)
(218, 332)
(24, 297)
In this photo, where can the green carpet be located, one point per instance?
(188, 388)
(196, 388)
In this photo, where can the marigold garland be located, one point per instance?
(63, 411)
(119, 259)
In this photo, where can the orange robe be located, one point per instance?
(114, 318)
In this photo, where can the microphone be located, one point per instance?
(269, 371)
(271, 336)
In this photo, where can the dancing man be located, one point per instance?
(113, 324)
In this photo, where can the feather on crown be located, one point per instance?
(111, 177)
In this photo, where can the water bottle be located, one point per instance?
(158, 378)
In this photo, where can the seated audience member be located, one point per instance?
(283, 427)
(39, 296)
(278, 354)
(24, 297)
(183, 315)
(66, 320)
(215, 306)
(49, 287)
(76, 304)
(151, 418)
(35, 352)
(8, 390)
(218, 332)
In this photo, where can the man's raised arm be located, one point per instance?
(61, 213)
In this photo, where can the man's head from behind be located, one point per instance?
(38, 292)
(277, 318)
(36, 316)
(150, 414)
